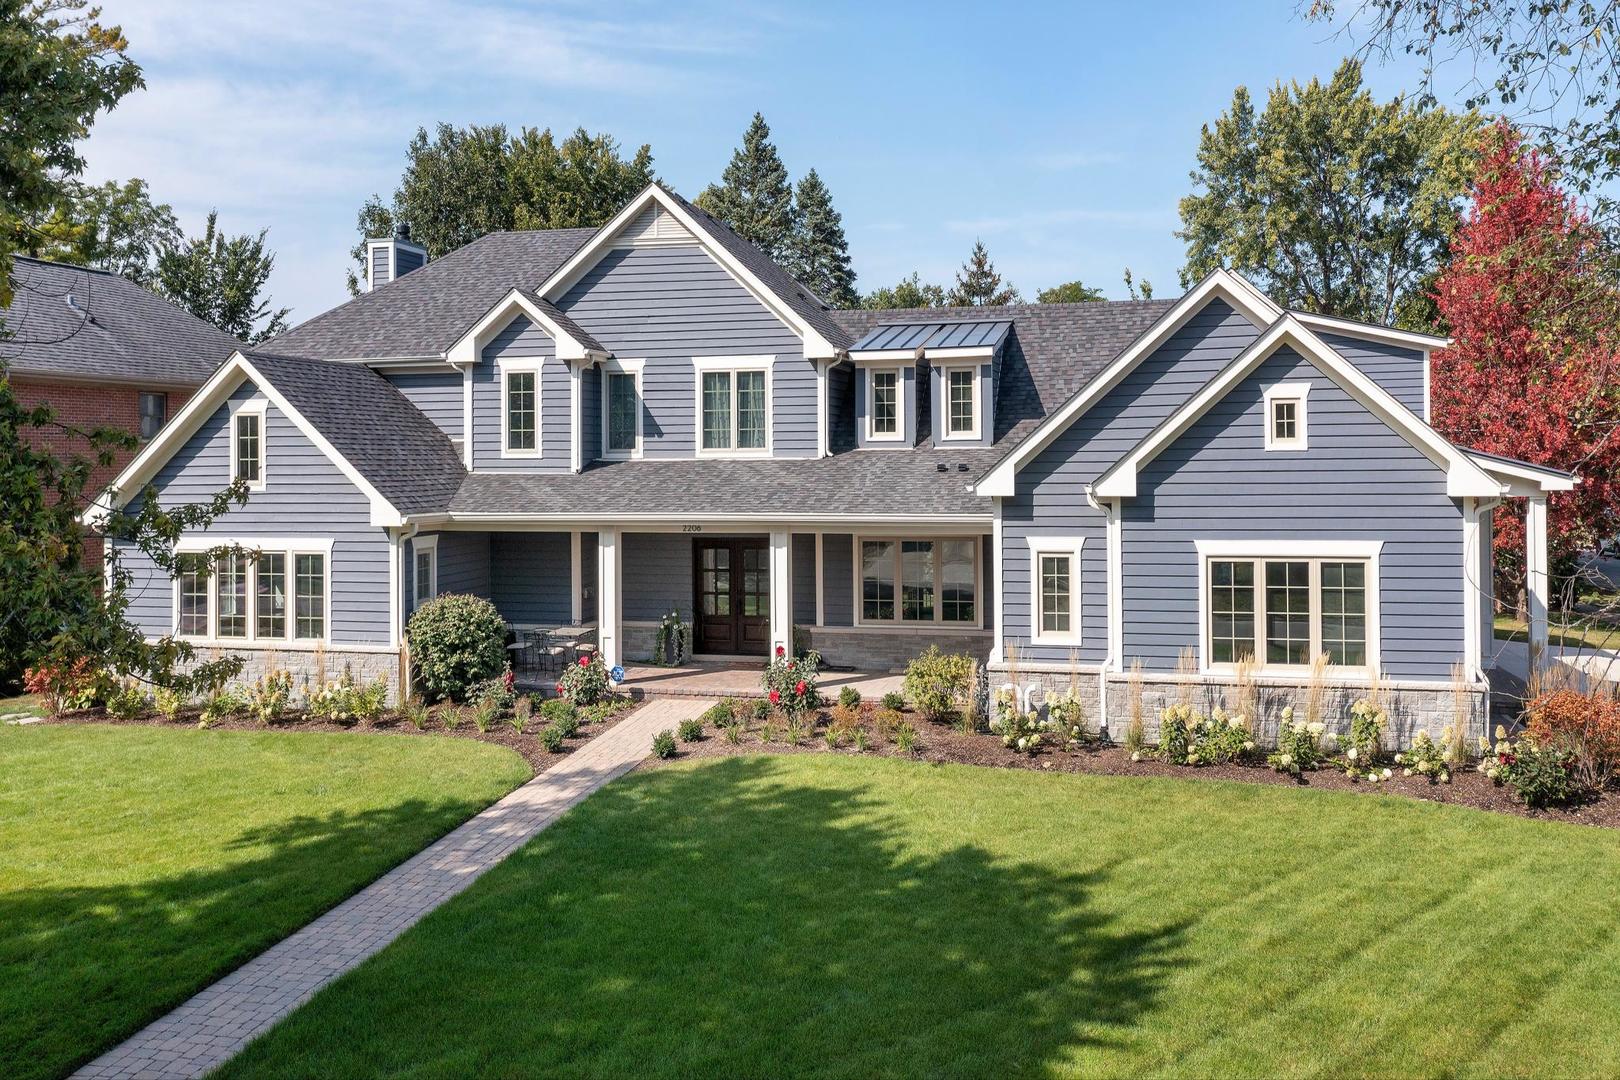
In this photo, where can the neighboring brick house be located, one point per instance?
(102, 351)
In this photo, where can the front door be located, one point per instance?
(733, 603)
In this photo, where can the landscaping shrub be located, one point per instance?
(894, 700)
(905, 737)
(456, 641)
(1066, 718)
(522, 710)
(1539, 775)
(586, 682)
(270, 696)
(690, 729)
(1363, 746)
(416, 714)
(502, 690)
(128, 702)
(485, 713)
(221, 704)
(1299, 745)
(551, 738)
(718, 716)
(451, 716)
(849, 697)
(937, 681)
(790, 681)
(344, 701)
(1175, 734)
(557, 708)
(1019, 731)
(567, 723)
(886, 720)
(1425, 758)
(61, 687)
(760, 708)
(733, 732)
(1586, 725)
(169, 702)
(663, 744)
(1220, 739)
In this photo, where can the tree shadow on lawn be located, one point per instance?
(729, 920)
(82, 968)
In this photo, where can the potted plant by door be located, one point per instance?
(673, 645)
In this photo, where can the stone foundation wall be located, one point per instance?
(867, 651)
(1409, 706)
(309, 667)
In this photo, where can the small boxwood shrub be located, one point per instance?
(456, 641)
(894, 701)
(718, 716)
(551, 738)
(849, 697)
(690, 729)
(556, 708)
(663, 744)
(567, 723)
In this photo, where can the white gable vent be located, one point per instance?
(652, 227)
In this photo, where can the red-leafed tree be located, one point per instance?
(1534, 370)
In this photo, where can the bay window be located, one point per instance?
(918, 581)
(1282, 610)
(733, 401)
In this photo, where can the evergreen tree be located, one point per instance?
(911, 292)
(219, 278)
(978, 284)
(754, 195)
(1070, 292)
(820, 253)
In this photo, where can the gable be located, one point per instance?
(652, 227)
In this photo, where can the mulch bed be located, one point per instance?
(526, 745)
(942, 743)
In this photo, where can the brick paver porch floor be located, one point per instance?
(717, 679)
(219, 1021)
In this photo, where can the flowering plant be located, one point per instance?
(1066, 718)
(1363, 746)
(1176, 723)
(1299, 744)
(586, 682)
(1539, 775)
(1021, 731)
(343, 700)
(270, 695)
(1425, 758)
(790, 681)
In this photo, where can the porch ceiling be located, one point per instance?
(865, 483)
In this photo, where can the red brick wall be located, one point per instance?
(87, 407)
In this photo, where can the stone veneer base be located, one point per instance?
(310, 667)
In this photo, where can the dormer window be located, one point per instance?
(962, 402)
(520, 412)
(883, 420)
(1285, 416)
(247, 444)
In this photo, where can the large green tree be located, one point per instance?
(819, 252)
(59, 67)
(462, 183)
(221, 279)
(978, 284)
(754, 195)
(909, 292)
(1329, 200)
(114, 227)
(1070, 292)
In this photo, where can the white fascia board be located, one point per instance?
(467, 347)
(1222, 284)
(816, 346)
(867, 357)
(202, 405)
(964, 352)
(1523, 480)
(1410, 339)
(1463, 477)
(542, 522)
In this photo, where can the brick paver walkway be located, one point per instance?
(219, 1021)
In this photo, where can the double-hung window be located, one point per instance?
(919, 580)
(1054, 568)
(621, 409)
(884, 388)
(961, 402)
(247, 444)
(733, 405)
(1282, 611)
(154, 407)
(520, 411)
(424, 569)
(244, 594)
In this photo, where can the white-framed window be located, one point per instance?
(621, 409)
(243, 596)
(1054, 589)
(961, 389)
(885, 391)
(520, 409)
(154, 406)
(1285, 415)
(733, 405)
(248, 444)
(1281, 604)
(921, 580)
(424, 570)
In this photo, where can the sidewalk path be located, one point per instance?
(214, 1025)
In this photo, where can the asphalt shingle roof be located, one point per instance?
(115, 330)
(857, 483)
(399, 450)
(423, 313)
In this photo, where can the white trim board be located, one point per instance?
(468, 348)
(1463, 476)
(202, 405)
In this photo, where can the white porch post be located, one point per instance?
(576, 564)
(781, 592)
(607, 591)
(1536, 579)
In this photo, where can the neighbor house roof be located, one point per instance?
(77, 323)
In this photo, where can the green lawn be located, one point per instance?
(139, 864)
(1580, 634)
(822, 915)
(23, 704)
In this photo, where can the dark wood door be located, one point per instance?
(733, 601)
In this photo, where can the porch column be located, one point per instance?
(1536, 580)
(781, 592)
(576, 583)
(607, 592)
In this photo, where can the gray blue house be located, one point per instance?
(602, 426)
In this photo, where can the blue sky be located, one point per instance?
(1059, 134)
